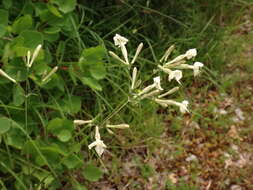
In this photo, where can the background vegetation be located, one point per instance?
(40, 148)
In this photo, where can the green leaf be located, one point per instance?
(92, 173)
(72, 161)
(18, 95)
(15, 138)
(31, 38)
(4, 17)
(98, 71)
(71, 104)
(55, 125)
(66, 5)
(52, 30)
(54, 10)
(64, 135)
(92, 56)
(92, 83)
(5, 125)
(22, 23)
(29, 147)
(51, 37)
(62, 128)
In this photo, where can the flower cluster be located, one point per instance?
(172, 68)
(154, 91)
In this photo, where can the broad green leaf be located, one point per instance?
(92, 56)
(64, 135)
(51, 37)
(5, 124)
(71, 104)
(54, 10)
(18, 95)
(92, 83)
(22, 23)
(20, 51)
(65, 5)
(54, 81)
(52, 157)
(46, 15)
(43, 176)
(15, 138)
(55, 125)
(31, 38)
(58, 127)
(92, 173)
(72, 161)
(54, 148)
(40, 68)
(98, 71)
(4, 17)
(28, 8)
(52, 30)
(29, 147)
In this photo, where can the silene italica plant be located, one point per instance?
(62, 129)
(153, 92)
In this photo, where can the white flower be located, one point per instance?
(150, 94)
(116, 57)
(196, 67)
(134, 74)
(50, 74)
(124, 53)
(167, 53)
(4, 74)
(119, 126)
(35, 54)
(177, 75)
(98, 143)
(146, 91)
(82, 122)
(138, 50)
(171, 91)
(176, 60)
(191, 53)
(157, 82)
(183, 106)
(119, 40)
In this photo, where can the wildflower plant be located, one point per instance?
(173, 69)
(50, 124)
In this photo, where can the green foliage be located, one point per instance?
(91, 67)
(40, 147)
(22, 23)
(5, 125)
(92, 173)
